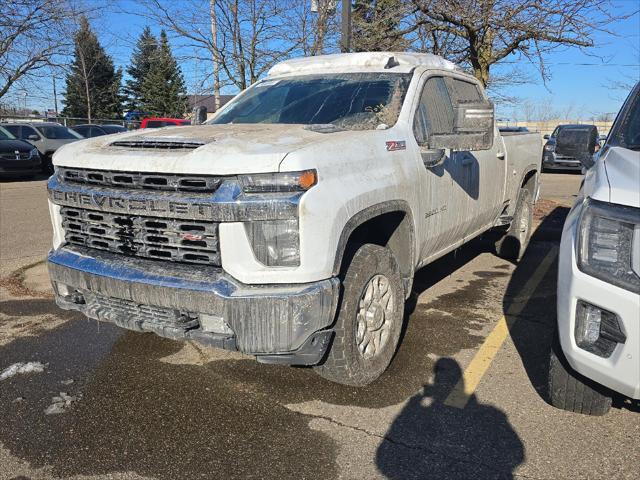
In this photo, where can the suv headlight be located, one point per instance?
(33, 153)
(549, 148)
(278, 182)
(607, 236)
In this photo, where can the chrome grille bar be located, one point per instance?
(174, 240)
(137, 180)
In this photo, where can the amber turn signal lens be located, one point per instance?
(307, 179)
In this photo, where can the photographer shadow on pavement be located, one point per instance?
(431, 440)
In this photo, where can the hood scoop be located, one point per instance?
(159, 143)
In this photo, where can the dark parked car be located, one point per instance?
(47, 137)
(90, 130)
(565, 160)
(17, 158)
(513, 129)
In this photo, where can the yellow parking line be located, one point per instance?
(473, 374)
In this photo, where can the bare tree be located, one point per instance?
(33, 33)
(490, 31)
(242, 39)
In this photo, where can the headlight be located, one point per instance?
(34, 153)
(278, 182)
(606, 243)
(549, 148)
(275, 243)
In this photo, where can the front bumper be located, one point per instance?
(276, 323)
(552, 161)
(621, 371)
(20, 167)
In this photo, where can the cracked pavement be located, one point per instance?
(150, 408)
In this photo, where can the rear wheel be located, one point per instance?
(369, 321)
(514, 243)
(568, 390)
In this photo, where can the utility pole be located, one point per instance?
(55, 95)
(345, 39)
(216, 63)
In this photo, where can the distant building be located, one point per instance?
(207, 101)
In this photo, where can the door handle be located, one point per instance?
(500, 155)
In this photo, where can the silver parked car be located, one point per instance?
(47, 137)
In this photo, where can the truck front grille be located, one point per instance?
(187, 241)
(136, 180)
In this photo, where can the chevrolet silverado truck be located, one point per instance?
(596, 354)
(290, 226)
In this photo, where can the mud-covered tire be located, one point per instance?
(514, 243)
(568, 390)
(345, 363)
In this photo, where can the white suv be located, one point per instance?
(598, 352)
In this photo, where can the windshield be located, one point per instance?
(626, 129)
(353, 101)
(6, 135)
(58, 132)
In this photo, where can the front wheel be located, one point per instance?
(369, 321)
(568, 390)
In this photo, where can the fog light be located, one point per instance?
(213, 324)
(597, 330)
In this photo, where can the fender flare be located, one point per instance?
(367, 214)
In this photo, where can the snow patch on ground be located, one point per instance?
(61, 403)
(21, 368)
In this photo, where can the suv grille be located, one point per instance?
(148, 181)
(16, 156)
(174, 240)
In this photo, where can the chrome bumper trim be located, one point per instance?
(268, 319)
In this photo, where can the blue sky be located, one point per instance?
(579, 81)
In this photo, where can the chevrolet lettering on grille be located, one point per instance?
(121, 204)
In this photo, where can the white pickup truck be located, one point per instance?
(290, 226)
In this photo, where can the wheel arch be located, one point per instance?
(388, 224)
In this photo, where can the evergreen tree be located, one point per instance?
(376, 26)
(163, 90)
(93, 84)
(140, 64)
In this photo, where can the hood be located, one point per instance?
(213, 149)
(10, 146)
(623, 172)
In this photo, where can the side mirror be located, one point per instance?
(472, 128)
(33, 136)
(199, 115)
(546, 137)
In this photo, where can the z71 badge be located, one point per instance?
(393, 145)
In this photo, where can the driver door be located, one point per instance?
(443, 174)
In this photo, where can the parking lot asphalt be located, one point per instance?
(138, 406)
